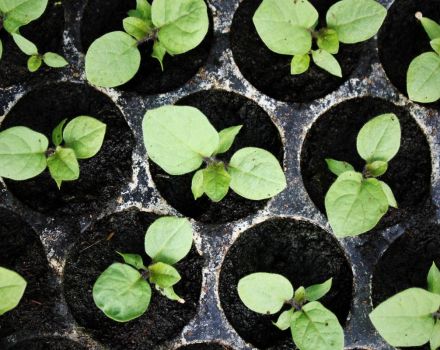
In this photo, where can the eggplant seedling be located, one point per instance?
(15, 14)
(173, 26)
(180, 139)
(12, 287)
(289, 27)
(357, 201)
(412, 317)
(313, 326)
(25, 153)
(123, 291)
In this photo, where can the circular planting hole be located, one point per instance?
(101, 177)
(204, 346)
(223, 109)
(334, 135)
(94, 252)
(45, 32)
(270, 72)
(103, 16)
(22, 252)
(300, 251)
(402, 37)
(47, 344)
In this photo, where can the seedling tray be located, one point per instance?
(60, 241)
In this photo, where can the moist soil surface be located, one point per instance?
(269, 72)
(94, 252)
(101, 177)
(103, 16)
(22, 252)
(334, 135)
(223, 109)
(45, 32)
(300, 251)
(402, 37)
(47, 344)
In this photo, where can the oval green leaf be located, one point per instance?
(338, 167)
(227, 138)
(327, 61)
(136, 27)
(134, 260)
(389, 193)
(21, 12)
(34, 63)
(284, 320)
(432, 28)
(328, 40)
(216, 182)
(434, 279)
(423, 78)
(63, 165)
(197, 184)
(54, 60)
(299, 64)
(12, 287)
(164, 275)
(25, 45)
(317, 291)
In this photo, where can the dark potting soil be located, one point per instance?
(203, 346)
(101, 177)
(22, 252)
(103, 16)
(47, 344)
(223, 109)
(300, 251)
(269, 72)
(334, 135)
(94, 252)
(46, 32)
(402, 37)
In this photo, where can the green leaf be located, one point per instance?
(163, 275)
(423, 78)
(25, 45)
(299, 64)
(227, 138)
(170, 294)
(354, 205)
(435, 44)
(177, 138)
(121, 293)
(379, 138)
(85, 136)
(216, 181)
(21, 12)
(406, 318)
(265, 293)
(338, 167)
(317, 291)
(326, 61)
(22, 153)
(434, 342)
(169, 239)
(434, 279)
(431, 27)
(1, 49)
(63, 165)
(34, 63)
(377, 168)
(12, 287)
(197, 184)
(284, 25)
(112, 60)
(389, 194)
(182, 27)
(57, 133)
(328, 40)
(136, 27)
(284, 320)
(134, 260)
(317, 328)
(159, 52)
(355, 20)
(143, 10)
(256, 174)
(54, 60)
(300, 295)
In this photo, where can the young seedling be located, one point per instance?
(12, 287)
(174, 26)
(357, 201)
(123, 291)
(411, 317)
(15, 14)
(25, 153)
(423, 77)
(289, 27)
(180, 139)
(313, 327)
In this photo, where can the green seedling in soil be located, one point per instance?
(412, 317)
(173, 26)
(25, 153)
(423, 76)
(12, 287)
(180, 139)
(357, 201)
(313, 327)
(15, 14)
(289, 27)
(123, 291)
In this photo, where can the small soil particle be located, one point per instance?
(47, 344)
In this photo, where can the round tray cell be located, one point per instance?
(47, 344)
(204, 346)
(94, 252)
(402, 37)
(103, 16)
(101, 177)
(223, 109)
(22, 251)
(269, 72)
(298, 250)
(334, 135)
(46, 32)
